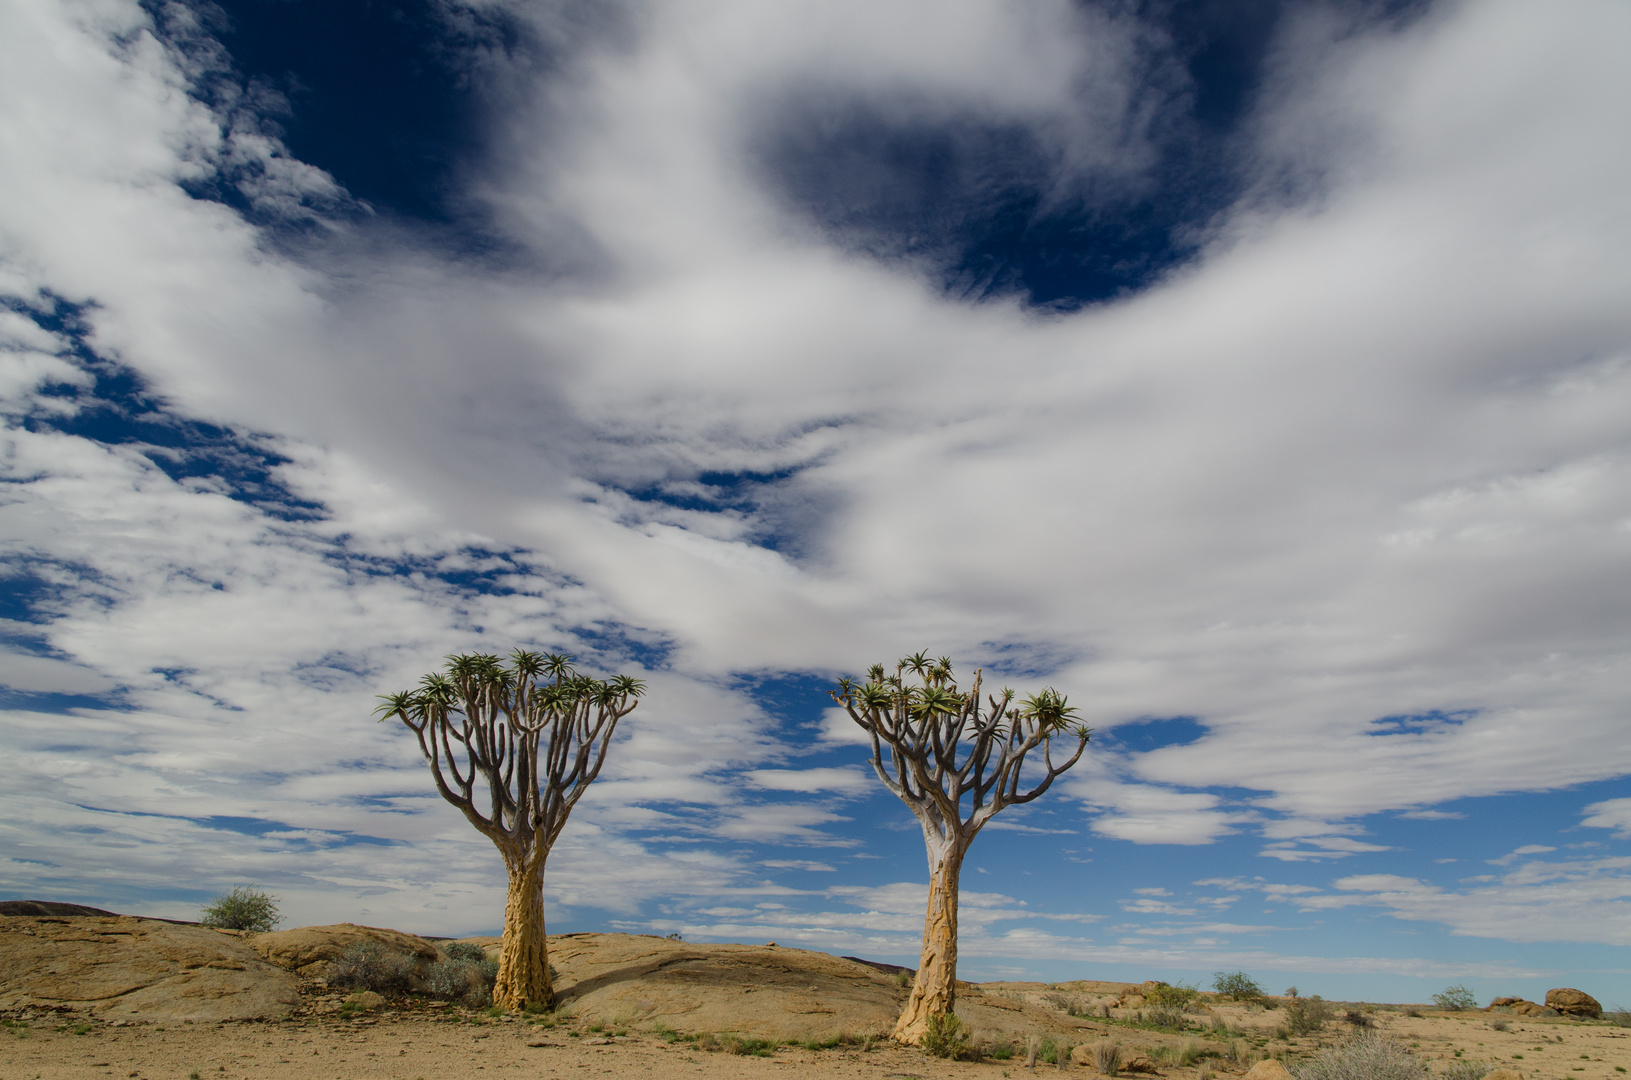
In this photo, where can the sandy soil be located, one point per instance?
(455, 1043)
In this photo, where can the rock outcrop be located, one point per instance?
(309, 949)
(50, 907)
(123, 968)
(756, 990)
(1572, 1002)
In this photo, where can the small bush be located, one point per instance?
(368, 965)
(1358, 1020)
(745, 1047)
(1048, 1051)
(1364, 1057)
(1107, 1058)
(244, 908)
(1236, 985)
(1466, 1070)
(904, 978)
(946, 1036)
(1498, 1025)
(465, 950)
(1455, 999)
(1305, 1015)
(1619, 1016)
(1167, 1016)
(1003, 1051)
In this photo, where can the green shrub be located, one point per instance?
(1305, 1015)
(946, 1037)
(1455, 999)
(464, 950)
(1236, 985)
(462, 977)
(244, 908)
(368, 965)
(1364, 1057)
(1003, 1051)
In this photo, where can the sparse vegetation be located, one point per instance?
(945, 1036)
(1003, 1051)
(466, 975)
(1305, 1015)
(1168, 1003)
(1466, 1070)
(1364, 1057)
(1237, 986)
(1498, 1024)
(244, 908)
(1455, 999)
(1107, 1058)
(1619, 1016)
(368, 965)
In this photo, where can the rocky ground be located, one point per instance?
(105, 995)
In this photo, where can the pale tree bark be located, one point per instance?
(955, 761)
(536, 734)
(934, 990)
(523, 964)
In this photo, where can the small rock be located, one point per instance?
(1269, 1069)
(365, 999)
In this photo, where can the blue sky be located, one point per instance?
(1256, 374)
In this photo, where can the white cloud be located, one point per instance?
(1512, 856)
(1364, 458)
(1583, 900)
(844, 781)
(1610, 814)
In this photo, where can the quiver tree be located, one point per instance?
(514, 747)
(954, 761)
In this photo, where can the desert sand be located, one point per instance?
(112, 996)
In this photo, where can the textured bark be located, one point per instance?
(523, 962)
(934, 991)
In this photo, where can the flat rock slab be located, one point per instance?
(760, 991)
(304, 948)
(123, 968)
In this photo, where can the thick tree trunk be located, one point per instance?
(934, 992)
(523, 963)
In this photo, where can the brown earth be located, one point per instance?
(117, 996)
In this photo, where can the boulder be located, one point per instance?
(1138, 1063)
(122, 968)
(366, 999)
(1268, 1069)
(1520, 1007)
(1570, 1002)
